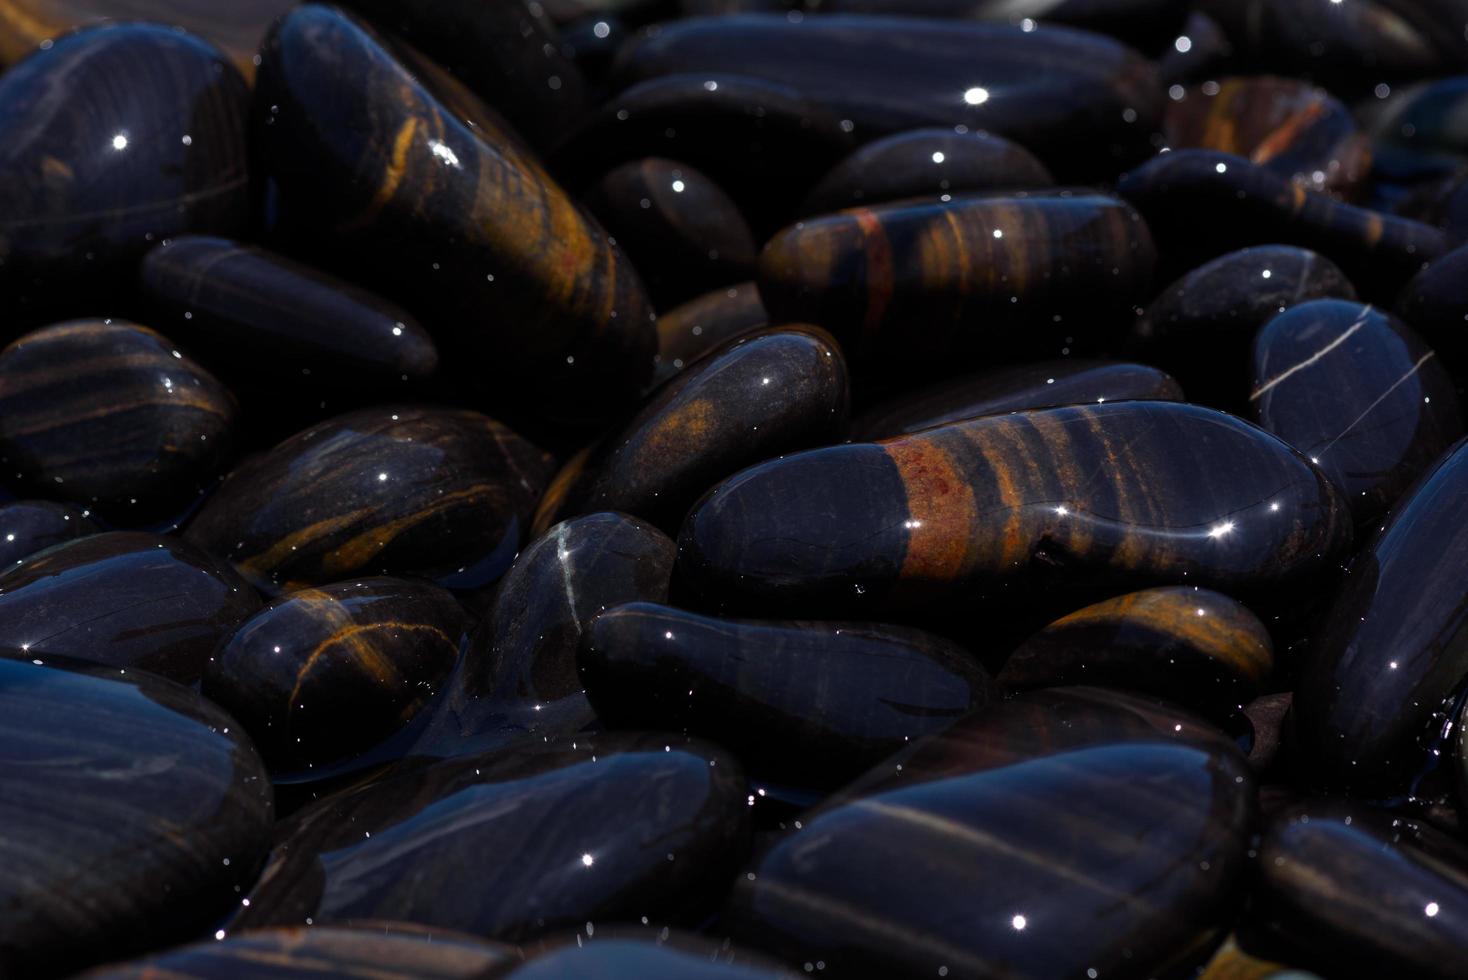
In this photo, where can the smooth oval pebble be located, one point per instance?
(1357, 391)
(764, 394)
(926, 163)
(513, 845)
(1201, 204)
(1201, 327)
(415, 491)
(125, 599)
(1195, 647)
(813, 703)
(134, 811)
(111, 415)
(322, 674)
(706, 323)
(1139, 20)
(1118, 496)
(100, 170)
(1435, 302)
(366, 155)
(1322, 865)
(666, 957)
(29, 526)
(1047, 384)
(244, 304)
(924, 281)
(518, 677)
(380, 951)
(1393, 647)
(676, 225)
(1114, 848)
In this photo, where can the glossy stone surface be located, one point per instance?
(1323, 865)
(1358, 392)
(1394, 645)
(676, 225)
(925, 280)
(1051, 91)
(384, 173)
(253, 310)
(124, 599)
(513, 845)
(325, 673)
(98, 171)
(659, 956)
(706, 323)
(1133, 19)
(926, 163)
(1288, 126)
(1435, 303)
(1420, 133)
(764, 394)
(507, 53)
(1202, 203)
(29, 526)
(1074, 831)
(422, 492)
(816, 704)
(381, 951)
(235, 27)
(518, 677)
(1201, 327)
(134, 811)
(1195, 647)
(163, 439)
(1046, 384)
(1117, 496)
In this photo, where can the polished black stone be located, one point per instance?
(29, 526)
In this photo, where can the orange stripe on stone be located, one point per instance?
(879, 271)
(940, 510)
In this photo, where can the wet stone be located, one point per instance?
(29, 526)
(706, 323)
(656, 956)
(135, 811)
(1138, 21)
(1435, 303)
(1358, 392)
(812, 704)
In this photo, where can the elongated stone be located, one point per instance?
(1139, 20)
(125, 599)
(1116, 496)
(663, 957)
(434, 493)
(29, 526)
(1357, 391)
(812, 703)
(1393, 648)
(704, 324)
(134, 812)
(514, 845)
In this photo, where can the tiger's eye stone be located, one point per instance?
(423, 492)
(1201, 203)
(380, 951)
(664, 956)
(1394, 645)
(1323, 865)
(98, 170)
(29, 526)
(1046, 384)
(1055, 92)
(765, 394)
(518, 677)
(813, 703)
(706, 323)
(678, 226)
(506, 53)
(918, 281)
(1070, 831)
(1358, 392)
(1114, 497)
(1201, 327)
(235, 27)
(254, 309)
(1193, 646)
(517, 844)
(125, 599)
(1436, 303)
(452, 219)
(322, 674)
(134, 811)
(1288, 126)
(926, 163)
(109, 414)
